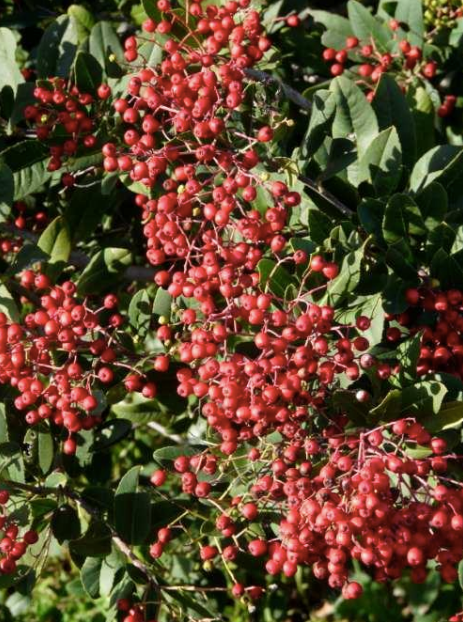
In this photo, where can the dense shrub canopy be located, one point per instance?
(231, 311)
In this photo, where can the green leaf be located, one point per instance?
(348, 404)
(4, 435)
(11, 461)
(399, 257)
(371, 214)
(152, 10)
(354, 114)
(110, 433)
(422, 108)
(88, 72)
(136, 408)
(10, 75)
(57, 48)
(381, 164)
(90, 576)
(86, 209)
(273, 277)
(8, 305)
(408, 354)
(433, 204)
(366, 27)
(132, 509)
(140, 311)
(6, 190)
(65, 523)
(321, 117)
(319, 225)
(162, 303)
(83, 20)
(391, 109)
(96, 542)
(423, 398)
(337, 28)
(449, 417)
(348, 278)
(394, 226)
(443, 164)
(46, 450)
(27, 160)
(104, 44)
(56, 241)
(394, 295)
(410, 12)
(104, 270)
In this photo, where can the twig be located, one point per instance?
(326, 194)
(292, 94)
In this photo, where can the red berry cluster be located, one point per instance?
(64, 118)
(12, 545)
(340, 496)
(365, 59)
(61, 354)
(131, 612)
(438, 317)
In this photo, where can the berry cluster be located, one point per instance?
(131, 612)
(12, 545)
(65, 119)
(369, 63)
(437, 316)
(340, 496)
(61, 354)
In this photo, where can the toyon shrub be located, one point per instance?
(231, 312)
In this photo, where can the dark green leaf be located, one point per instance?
(65, 523)
(132, 509)
(381, 163)
(88, 72)
(90, 576)
(96, 542)
(391, 109)
(57, 48)
(354, 114)
(105, 269)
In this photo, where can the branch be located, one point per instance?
(292, 94)
(326, 194)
